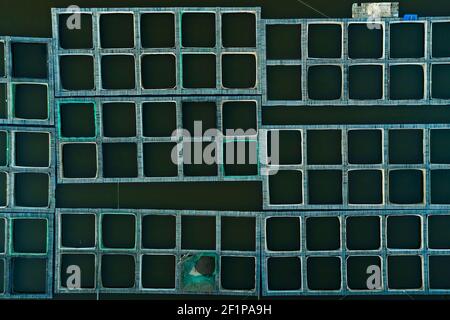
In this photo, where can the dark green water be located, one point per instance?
(325, 41)
(119, 160)
(118, 72)
(365, 146)
(78, 231)
(3, 189)
(79, 40)
(29, 275)
(2, 59)
(366, 82)
(158, 160)
(356, 270)
(117, 271)
(34, 94)
(286, 187)
(198, 30)
(83, 126)
(324, 273)
(365, 43)
(116, 31)
(403, 232)
(159, 119)
(32, 149)
(289, 279)
(158, 271)
(119, 119)
(2, 235)
(232, 24)
(284, 82)
(31, 189)
(86, 262)
(80, 160)
(245, 227)
(405, 272)
(191, 227)
(3, 104)
(245, 78)
(322, 233)
(158, 71)
(363, 233)
(118, 231)
(238, 273)
(23, 67)
(158, 30)
(437, 236)
(365, 186)
(289, 227)
(2, 272)
(30, 235)
(158, 232)
(439, 276)
(77, 72)
(194, 62)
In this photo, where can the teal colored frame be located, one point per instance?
(9, 255)
(10, 81)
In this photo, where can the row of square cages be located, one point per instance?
(355, 166)
(302, 253)
(125, 52)
(158, 251)
(26, 81)
(336, 54)
(241, 28)
(356, 38)
(369, 84)
(355, 253)
(157, 139)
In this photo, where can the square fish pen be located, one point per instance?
(27, 168)
(26, 81)
(26, 255)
